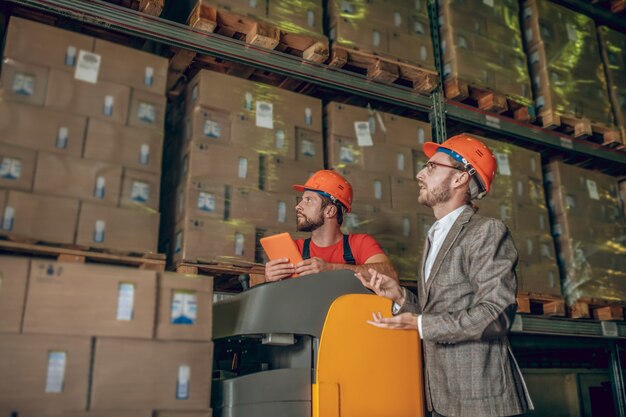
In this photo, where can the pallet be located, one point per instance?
(486, 100)
(597, 309)
(383, 68)
(231, 277)
(582, 128)
(541, 304)
(72, 253)
(151, 7)
(615, 6)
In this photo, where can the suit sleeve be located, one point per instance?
(410, 303)
(491, 262)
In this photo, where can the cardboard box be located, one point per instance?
(262, 209)
(25, 42)
(185, 307)
(404, 193)
(38, 129)
(344, 152)
(24, 83)
(407, 132)
(147, 110)
(183, 414)
(540, 278)
(201, 197)
(43, 372)
(135, 374)
(140, 190)
(78, 178)
(38, 217)
(309, 148)
(245, 7)
(277, 141)
(369, 187)
(207, 123)
(361, 35)
(13, 278)
(17, 167)
(137, 69)
(341, 120)
(297, 17)
(279, 174)
(90, 300)
(128, 146)
(104, 100)
(416, 49)
(117, 228)
(400, 161)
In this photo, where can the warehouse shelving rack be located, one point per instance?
(543, 331)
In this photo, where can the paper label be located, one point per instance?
(194, 93)
(400, 163)
(406, 227)
(70, 56)
(528, 12)
(7, 218)
(572, 34)
(280, 139)
(592, 188)
(540, 101)
(376, 38)
(488, 2)
(184, 307)
(62, 137)
(397, 19)
(423, 53)
(98, 231)
(533, 165)
(24, 84)
(418, 28)
(212, 129)
(182, 383)
(148, 76)
(265, 114)
(378, 190)
(100, 188)
(534, 57)
(282, 212)
(144, 154)
(125, 301)
(10, 169)
(308, 116)
(87, 66)
(346, 7)
(346, 154)
(206, 202)
(363, 133)
(140, 192)
(55, 375)
(248, 101)
(240, 241)
(242, 168)
(310, 18)
(529, 34)
(107, 108)
(253, 3)
(179, 242)
(461, 42)
(421, 135)
(447, 69)
(529, 246)
(503, 163)
(146, 112)
(307, 148)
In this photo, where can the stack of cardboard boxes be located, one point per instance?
(393, 28)
(122, 341)
(481, 44)
(244, 145)
(80, 139)
(613, 46)
(377, 153)
(517, 198)
(588, 225)
(567, 73)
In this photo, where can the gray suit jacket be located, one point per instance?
(467, 307)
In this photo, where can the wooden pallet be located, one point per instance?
(228, 276)
(582, 128)
(151, 7)
(541, 304)
(616, 6)
(70, 253)
(591, 308)
(486, 100)
(383, 68)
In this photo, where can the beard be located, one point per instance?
(438, 195)
(305, 224)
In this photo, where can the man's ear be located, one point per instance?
(330, 210)
(461, 180)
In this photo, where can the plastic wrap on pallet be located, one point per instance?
(613, 46)
(297, 16)
(564, 55)
(589, 229)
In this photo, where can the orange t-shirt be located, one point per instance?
(363, 247)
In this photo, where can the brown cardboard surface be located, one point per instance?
(35, 128)
(13, 278)
(137, 69)
(201, 197)
(371, 37)
(277, 141)
(17, 167)
(122, 365)
(39, 217)
(117, 228)
(104, 100)
(344, 152)
(263, 209)
(87, 299)
(281, 173)
(40, 44)
(400, 161)
(407, 132)
(540, 278)
(24, 83)
(416, 49)
(24, 360)
(404, 193)
(369, 187)
(207, 123)
(147, 110)
(140, 190)
(367, 218)
(185, 307)
(128, 146)
(245, 7)
(309, 148)
(184, 414)
(78, 178)
(341, 118)
(297, 17)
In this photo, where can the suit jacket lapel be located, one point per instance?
(454, 232)
(421, 284)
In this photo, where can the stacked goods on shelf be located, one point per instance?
(588, 226)
(77, 337)
(377, 153)
(482, 47)
(613, 46)
(517, 198)
(567, 72)
(245, 144)
(81, 139)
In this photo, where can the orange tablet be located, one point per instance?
(281, 246)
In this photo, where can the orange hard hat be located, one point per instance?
(473, 154)
(331, 184)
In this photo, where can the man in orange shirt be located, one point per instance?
(326, 198)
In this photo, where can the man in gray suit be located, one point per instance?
(466, 290)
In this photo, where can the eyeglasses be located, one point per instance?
(431, 165)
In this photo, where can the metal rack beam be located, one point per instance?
(568, 327)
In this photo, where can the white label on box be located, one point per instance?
(551, 279)
(99, 229)
(212, 129)
(378, 190)
(572, 34)
(488, 2)
(107, 109)
(570, 201)
(421, 135)
(503, 163)
(248, 103)
(332, 34)
(140, 192)
(352, 221)
(443, 46)
(252, 3)
(146, 112)
(400, 163)
(418, 28)
(148, 76)
(461, 42)
(240, 241)
(346, 154)
(179, 242)
(282, 212)
(406, 227)
(540, 101)
(533, 165)
(182, 384)
(87, 67)
(194, 93)
(528, 12)
(24, 84)
(206, 202)
(280, 139)
(544, 250)
(609, 329)
(447, 69)
(423, 53)
(376, 38)
(7, 218)
(70, 56)
(184, 307)
(592, 188)
(520, 188)
(397, 19)
(308, 116)
(310, 18)
(363, 133)
(265, 114)
(529, 246)
(534, 57)
(100, 188)
(346, 7)
(529, 34)
(10, 168)
(125, 301)
(55, 374)
(242, 169)
(144, 154)
(62, 137)
(307, 148)
(504, 213)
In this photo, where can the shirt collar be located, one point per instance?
(445, 223)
